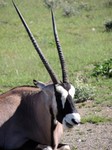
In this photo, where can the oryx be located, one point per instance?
(38, 114)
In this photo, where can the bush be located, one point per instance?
(51, 3)
(103, 69)
(69, 7)
(108, 25)
(84, 91)
(108, 3)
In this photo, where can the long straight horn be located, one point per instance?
(36, 46)
(60, 53)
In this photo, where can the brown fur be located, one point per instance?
(11, 106)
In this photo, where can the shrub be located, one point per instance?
(108, 25)
(108, 3)
(103, 69)
(51, 3)
(69, 7)
(84, 91)
(68, 10)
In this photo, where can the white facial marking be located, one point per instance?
(63, 92)
(77, 117)
(72, 91)
(69, 117)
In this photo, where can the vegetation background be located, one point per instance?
(82, 34)
(85, 42)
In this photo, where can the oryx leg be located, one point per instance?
(57, 138)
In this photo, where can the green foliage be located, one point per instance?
(82, 37)
(103, 69)
(84, 91)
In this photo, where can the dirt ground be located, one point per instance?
(90, 136)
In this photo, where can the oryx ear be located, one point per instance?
(39, 84)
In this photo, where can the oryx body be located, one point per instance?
(38, 114)
(26, 113)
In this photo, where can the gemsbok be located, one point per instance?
(38, 114)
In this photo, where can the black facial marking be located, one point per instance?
(59, 107)
(73, 120)
(69, 106)
(66, 86)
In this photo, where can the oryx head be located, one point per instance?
(64, 91)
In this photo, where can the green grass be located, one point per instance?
(82, 46)
(96, 119)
